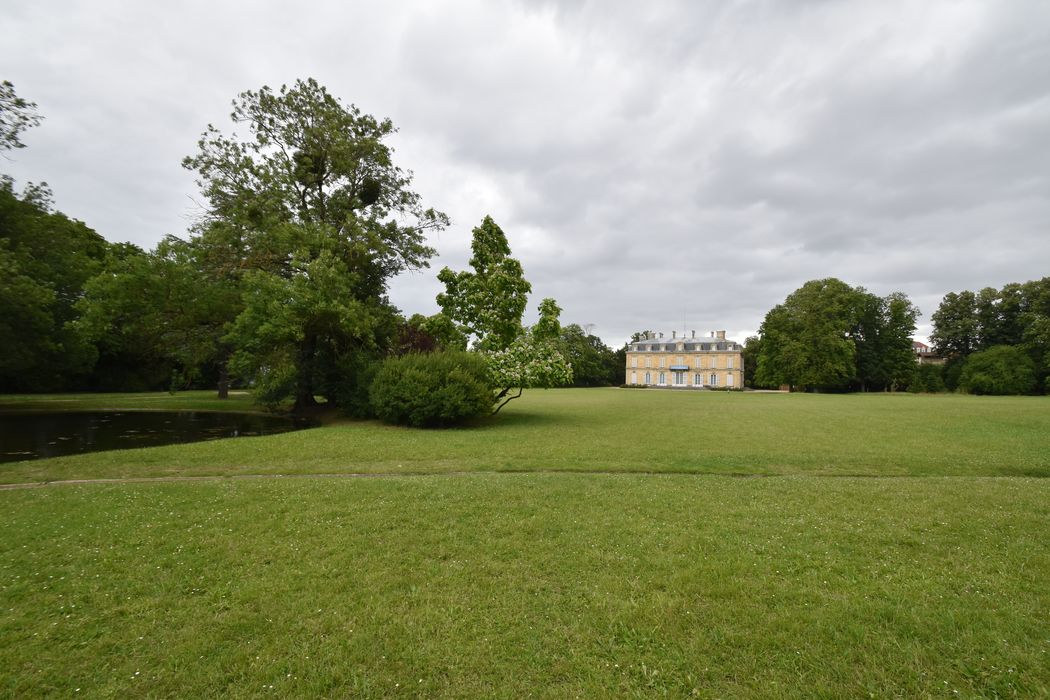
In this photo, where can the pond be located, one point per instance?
(32, 435)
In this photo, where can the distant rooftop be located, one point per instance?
(659, 342)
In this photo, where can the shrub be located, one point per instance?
(432, 390)
(1003, 369)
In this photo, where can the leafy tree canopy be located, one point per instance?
(593, 362)
(828, 335)
(310, 215)
(489, 301)
(46, 258)
(1002, 369)
(1018, 315)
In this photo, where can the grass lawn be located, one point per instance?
(899, 549)
(137, 401)
(506, 585)
(624, 430)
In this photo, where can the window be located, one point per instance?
(648, 363)
(714, 380)
(634, 361)
(648, 378)
(698, 379)
(679, 378)
(729, 362)
(663, 378)
(697, 364)
(729, 380)
(714, 361)
(662, 360)
(634, 377)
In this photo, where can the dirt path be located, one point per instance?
(356, 475)
(227, 477)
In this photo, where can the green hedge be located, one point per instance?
(432, 390)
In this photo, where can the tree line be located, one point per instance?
(997, 341)
(280, 285)
(829, 336)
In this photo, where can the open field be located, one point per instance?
(626, 430)
(505, 585)
(923, 577)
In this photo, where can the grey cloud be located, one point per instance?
(646, 161)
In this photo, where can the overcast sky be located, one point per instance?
(654, 165)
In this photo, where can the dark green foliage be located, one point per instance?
(432, 390)
(1018, 315)
(885, 360)
(752, 347)
(356, 372)
(1000, 370)
(443, 330)
(593, 362)
(45, 260)
(955, 325)
(832, 337)
(806, 340)
(928, 379)
(160, 310)
(311, 218)
(489, 301)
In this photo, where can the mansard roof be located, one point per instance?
(693, 345)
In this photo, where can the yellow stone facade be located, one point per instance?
(686, 362)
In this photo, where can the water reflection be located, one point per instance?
(35, 435)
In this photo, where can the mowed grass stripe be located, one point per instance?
(514, 585)
(633, 431)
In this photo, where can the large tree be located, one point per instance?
(807, 342)
(828, 335)
(308, 213)
(885, 359)
(956, 330)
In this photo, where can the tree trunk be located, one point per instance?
(304, 398)
(224, 381)
(304, 385)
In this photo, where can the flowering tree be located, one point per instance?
(488, 304)
(532, 361)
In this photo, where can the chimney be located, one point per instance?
(712, 334)
(661, 336)
(721, 335)
(694, 335)
(674, 334)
